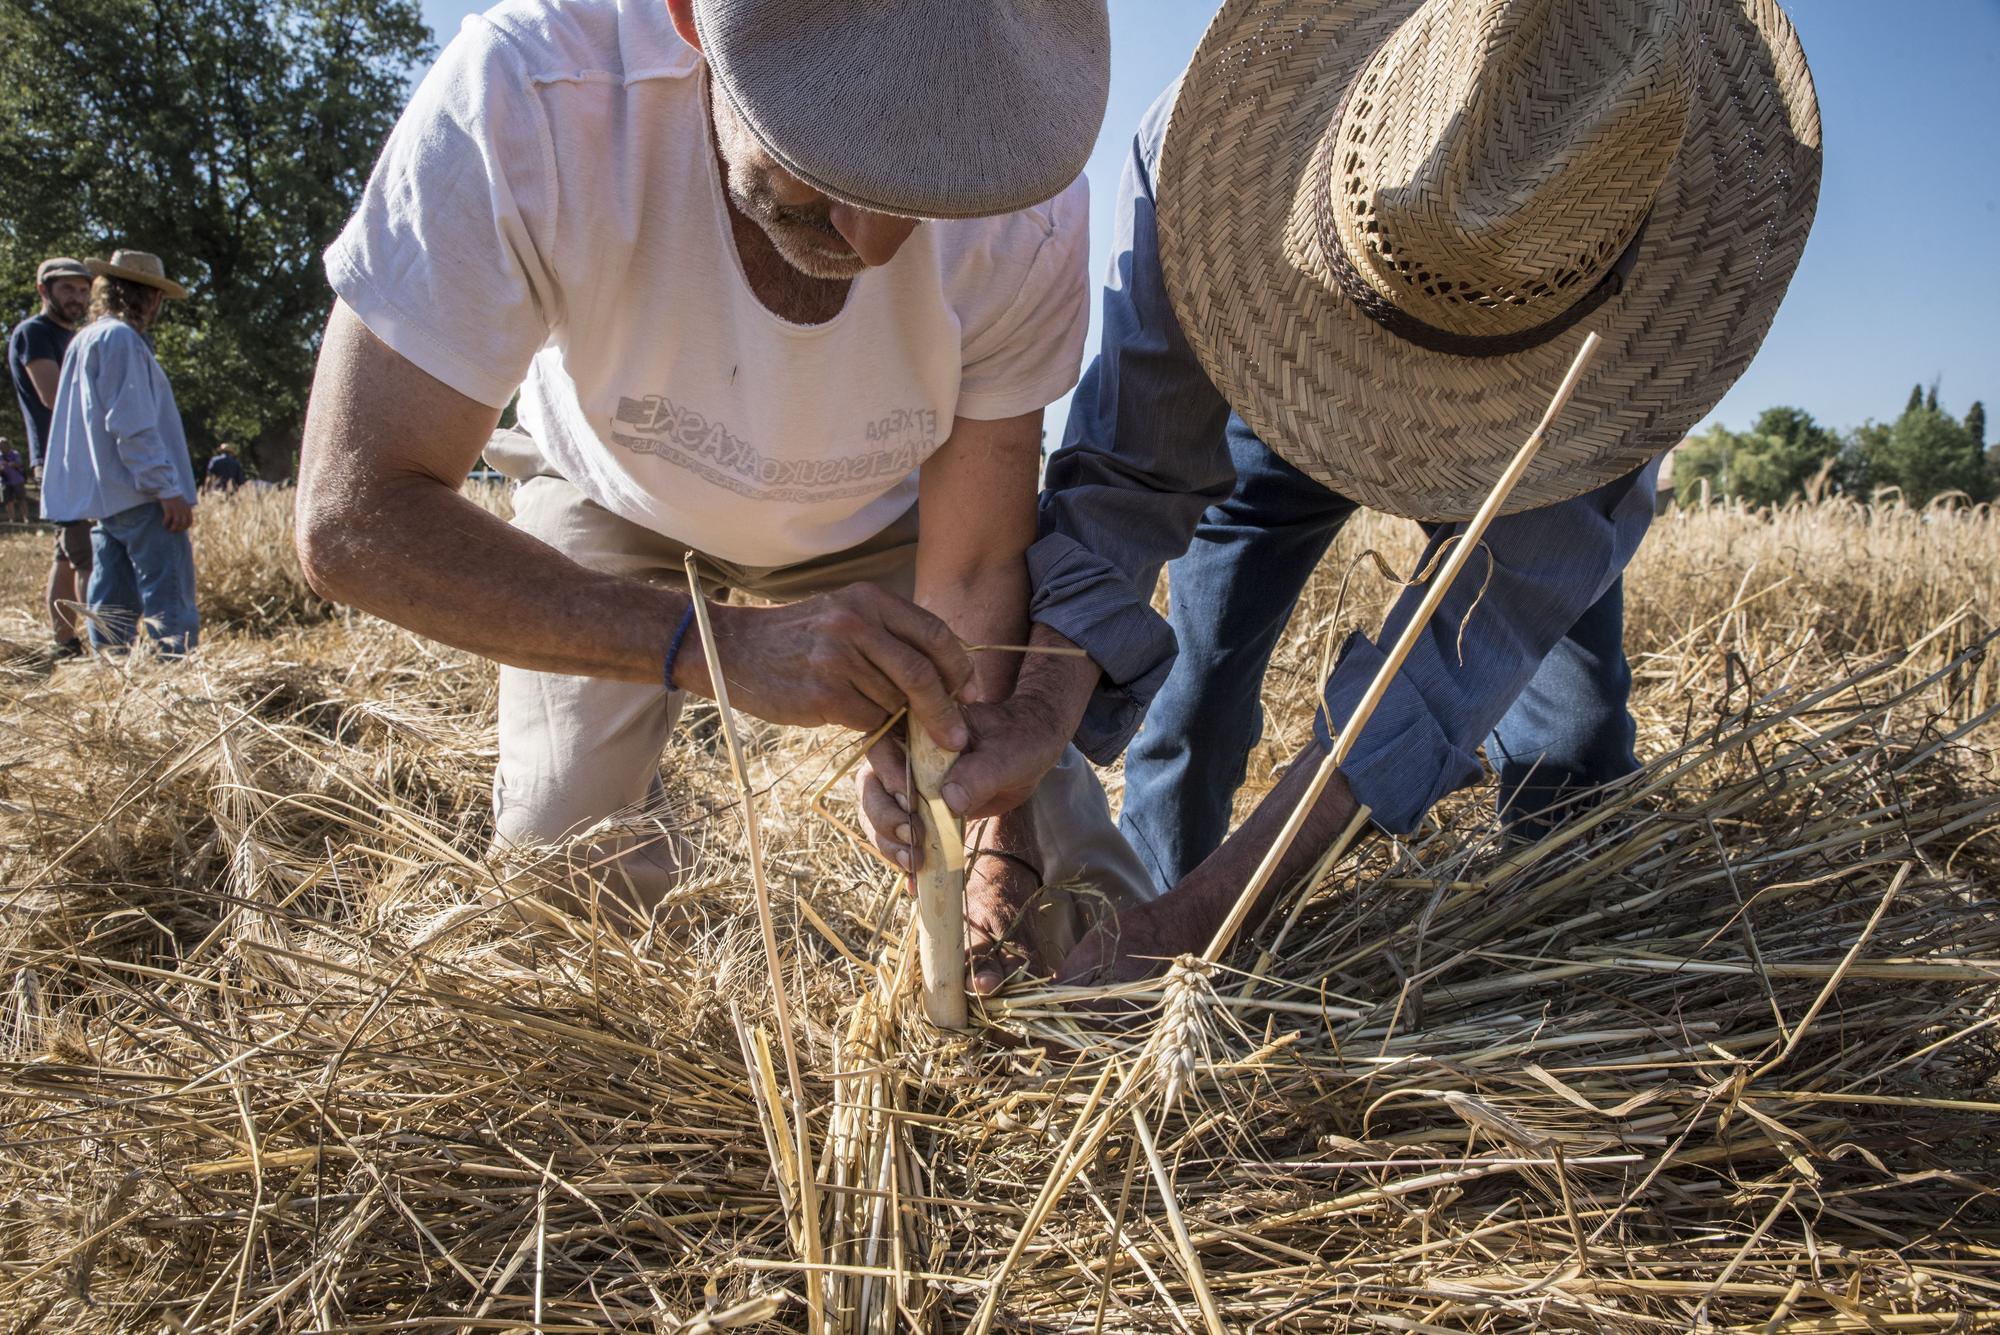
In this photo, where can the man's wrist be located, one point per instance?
(1057, 685)
(689, 670)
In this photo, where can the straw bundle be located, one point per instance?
(274, 1056)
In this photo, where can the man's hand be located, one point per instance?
(1142, 939)
(177, 514)
(853, 657)
(1006, 927)
(1012, 747)
(1139, 941)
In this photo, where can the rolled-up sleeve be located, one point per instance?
(1490, 634)
(132, 414)
(1142, 457)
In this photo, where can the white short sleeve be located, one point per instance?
(1029, 355)
(445, 259)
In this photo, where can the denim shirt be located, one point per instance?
(115, 439)
(1144, 455)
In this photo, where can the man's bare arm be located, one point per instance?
(382, 526)
(44, 374)
(977, 500)
(977, 497)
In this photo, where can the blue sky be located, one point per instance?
(1901, 280)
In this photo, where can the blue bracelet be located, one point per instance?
(680, 635)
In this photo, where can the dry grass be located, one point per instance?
(273, 1059)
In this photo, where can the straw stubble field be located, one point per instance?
(275, 1058)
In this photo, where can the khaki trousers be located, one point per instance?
(577, 750)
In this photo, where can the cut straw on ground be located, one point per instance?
(276, 1055)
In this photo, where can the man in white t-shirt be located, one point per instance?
(687, 231)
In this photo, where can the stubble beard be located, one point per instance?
(804, 238)
(69, 314)
(803, 235)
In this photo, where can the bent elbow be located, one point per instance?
(325, 546)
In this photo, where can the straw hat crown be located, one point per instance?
(1483, 196)
(137, 266)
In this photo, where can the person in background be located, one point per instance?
(34, 360)
(225, 472)
(13, 485)
(117, 454)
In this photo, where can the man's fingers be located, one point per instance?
(893, 829)
(931, 703)
(929, 636)
(982, 783)
(868, 680)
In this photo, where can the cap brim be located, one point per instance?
(1426, 434)
(100, 269)
(916, 107)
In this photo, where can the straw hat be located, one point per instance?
(138, 267)
(1386, 226)
(922, 108)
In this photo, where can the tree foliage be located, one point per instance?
(232, 138)
(1780, 457)
(1924, 453)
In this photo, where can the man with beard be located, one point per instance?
(34, 361)
(768, 295)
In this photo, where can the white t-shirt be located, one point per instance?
(549, 214)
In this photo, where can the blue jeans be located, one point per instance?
(141, 571)
(1229, 600)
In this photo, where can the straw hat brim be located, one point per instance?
(105, 269)
(1426, 434)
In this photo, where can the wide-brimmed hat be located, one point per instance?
(138, 267)
(1387, 225)
(922, 108)
(59, 266)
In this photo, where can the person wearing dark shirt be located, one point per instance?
(224, 472)
(13, 484)
(34, 361)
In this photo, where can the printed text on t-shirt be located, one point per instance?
(680, 435)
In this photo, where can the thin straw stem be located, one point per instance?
(767, 924)
(1433, 596)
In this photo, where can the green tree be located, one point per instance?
(1773, 462)
(1924, 452)
(1916, 398)
(232, 138)
(1975, 425)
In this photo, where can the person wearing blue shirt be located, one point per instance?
(1356, 248)
(117, 454)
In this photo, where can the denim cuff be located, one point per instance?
(1402, 763)
(1084, 597)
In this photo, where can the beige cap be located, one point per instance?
(921, 108)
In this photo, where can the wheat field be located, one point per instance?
(278, 1053)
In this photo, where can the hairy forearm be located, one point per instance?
(983, 604)
(1058, 683)
(411, 550)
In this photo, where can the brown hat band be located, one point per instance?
(1371, 303)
